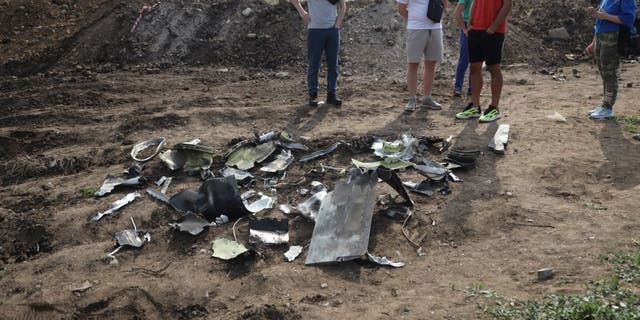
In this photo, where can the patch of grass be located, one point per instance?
(88, 192)
(630, 122)
(627, 264)
(602, 300)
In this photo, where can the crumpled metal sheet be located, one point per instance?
(293, 253)
(216, 196)
(190, 223)
(158, 196)
(389, 163)
(392, 179)
(280, 163)
(111, 182)
(431, 169)
(117, 205)
(131, 238)
(242, 177)
(188, 156)
(343, 223)
(500, 139)
(292, 145)
(428, 187)
(226, 249)
(403, 149)
(383, 261)
(245, 156)
(265, 202)
(311, 206)
(320, 153)
(158, 142)
(269, 231)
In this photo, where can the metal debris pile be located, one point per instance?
(245, 189)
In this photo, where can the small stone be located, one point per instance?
(545, 274)
(559, 34)
(247, 12)
(509, 194)
(251, 35)
(282, 75)
(324, 285)
(521, 82)
(630, 85)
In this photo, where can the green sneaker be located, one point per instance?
(469, 112)
(492, 114)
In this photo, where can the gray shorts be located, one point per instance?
(424, 44)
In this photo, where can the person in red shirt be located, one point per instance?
(486, 38)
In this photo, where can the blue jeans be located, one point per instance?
(463, 63)
(327, 41)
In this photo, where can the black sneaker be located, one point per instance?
(333, 100)
(313, 99)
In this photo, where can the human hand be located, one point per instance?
(491, 30)
(338, 24)
(590, 48)
(306, 18)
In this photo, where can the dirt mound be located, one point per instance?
(21, 237)
(38, 36)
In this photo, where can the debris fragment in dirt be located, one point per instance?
(190, 223)
(215, 197)
(403, 149)
(265, 202)
(383, 261)
(426, 143)
(428, 187)
(81, 287)
(112, 182)
(117, 205)
(557, 117)
(595, 206)
(145, 9)
(165, 187)
(242, 177)
(637, 136)
(431, 169)
(320, 153)
(140, 147)
(130, 238)
(388, 163)
(280, 163)
(343, 223)
(285, 208)
(397, 211)
(189, 156)
(226, 249)
(461, 158)
(311, 206)
(500, 139)
(392, 179)
(244, 156)
(269, 231)
(545, 274)
(293, 253)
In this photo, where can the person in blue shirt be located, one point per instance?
(610, 16)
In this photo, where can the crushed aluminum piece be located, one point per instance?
(280, 163)
(431, 169)
(129, 238)
(285, 208)
(292, 145)
(185, 201)
(248, 194)
(545, 274)
(111, 182)
(158, 196)
(222, 219)
(389, 163)
(400, 149)
(383, 261)
(269, 231)
(216, 196)
(242, 177)
(454, 178)
(135, 170)
(311, 207)
(116, 205)
(188, 156)
(500, 139)
(392, 179)
(320, 153)
(244, 157)
(158, 142)
(265, 202)
(190, 223)
(303, 191)
(161, 181)
(343, 223)
(166, 185)
(317, 186)
(427, 187)
(293, 253)
(226, 249)
(82, 287)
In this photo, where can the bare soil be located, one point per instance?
(78, 91)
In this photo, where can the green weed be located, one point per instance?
(630, 122)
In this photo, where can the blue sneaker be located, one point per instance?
(604, 113)
(598, 109)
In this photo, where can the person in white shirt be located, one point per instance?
(424, 42)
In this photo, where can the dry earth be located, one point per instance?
(561, 196)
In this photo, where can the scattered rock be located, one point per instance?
(282, 75)
(324, 285)
(559, 34)
(247, 12)
(545, 274)
(630, 85)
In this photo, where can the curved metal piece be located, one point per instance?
(160, 142)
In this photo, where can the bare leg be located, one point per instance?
(428, 77)
(496, 84)
(476, 82)
(412, 79)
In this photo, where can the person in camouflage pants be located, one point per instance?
(610, 15)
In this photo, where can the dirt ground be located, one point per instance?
(561, 196)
